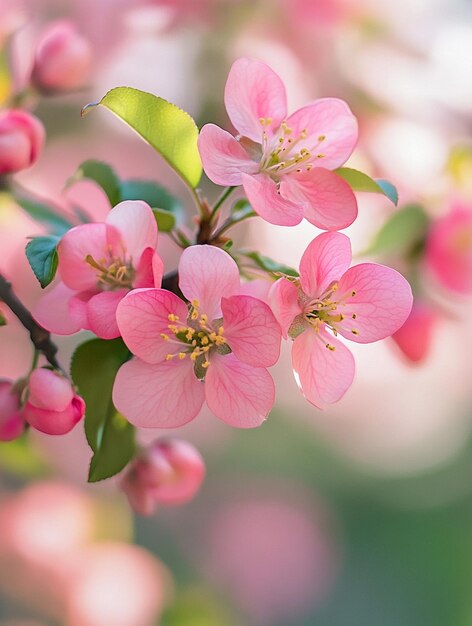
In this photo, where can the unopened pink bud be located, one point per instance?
(52, 406)
(21, 140)
(414, 338)
(11, 422)
(63, 59)
(170, 472)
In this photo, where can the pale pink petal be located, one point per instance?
(78, 308)
(376, 302)
(163, 395)
(137, 225)
(49, 390)
(284, 303)
(206, 274)
(263, 195)
(251, 330)
(149, 270)
(325, 260)
(101, 313)
(323, 375)
(331, 129)
(52, 311)
(79, 242)
(223, 157)
(143, 315)
(258, 288)
(237, 393)
(416, 335)
(254, 91)
(328, 201)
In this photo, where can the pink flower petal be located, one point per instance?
(101, 313)
(49, 390)
(284, 303)
(258, 288)
(78, 308)
(331, 128)
(262, 193)
(237, 393)
(328, 201)
(380, 306)
(251, 330)
(254, 91)
(137, 225)
(149, 270)
(325, 260)
(52, 311)
(323, 375)
(223, 157)
(163, 395)
(206, 274)
(416, 335)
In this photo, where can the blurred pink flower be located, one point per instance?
(21, 140)
(365, 303)
(63, 59)
(449, 249)
(52, 406)
(225, 338)
(11, 422)
(170, 472)
(414, 338)
(277, 158)
(98, 265)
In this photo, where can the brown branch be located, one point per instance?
(39, 335)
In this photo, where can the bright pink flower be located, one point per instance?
(284, 163)
(11, 422)
(170, 472)
(449, 249)
(365, 303)
(226, 339)
(63, 59)
(52, 406)
(98, 264)
(21, 140)
(414, 338)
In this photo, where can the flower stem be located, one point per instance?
(227, 192)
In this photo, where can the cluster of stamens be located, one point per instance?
(113, 272)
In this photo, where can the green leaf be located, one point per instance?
(101, 174)
(43, 213)
(156, 196)
(168, 129)
(165, 220)
(403, 232)
(359, 181)
(3, 319)
(42, 257)
(111, 437)
(269, 265)
(241, 210)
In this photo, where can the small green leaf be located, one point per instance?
(402, 233)
(168, 129)
(3, 319)
(165, 220)
(42, 257)
(269, 265)
(111, 437)
(359, 181)
(156, 196)
(101, 174)
(43, 213)
(241, 210)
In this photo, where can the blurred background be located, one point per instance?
(357, 515)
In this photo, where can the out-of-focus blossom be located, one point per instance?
(225, 338)
(63, 59)
(170, 471)
(98, 265)
(21, 140)
(11, 422)
(365, 303)
(284, 163)
(52, 406)
(449, 249)
(415, 337)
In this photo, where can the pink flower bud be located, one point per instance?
(63, 59)
(11, 422)
(414, 338)
(170, 472)
(21, 140)
(52, 406)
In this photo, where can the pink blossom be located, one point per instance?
(98, 264)
(449, 249)
(21, 140)
(415, 337)
(171, 472)
(364, 303)
(52, 406)
(63, 59)
(11, 422)
(222, 338)
(284, 163)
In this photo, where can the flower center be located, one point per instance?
(113, 272)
